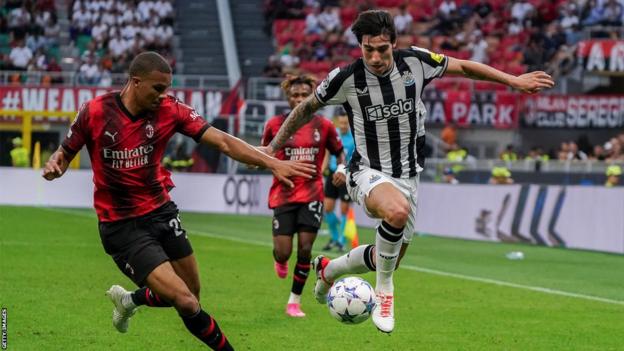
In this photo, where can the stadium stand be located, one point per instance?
(516, 36)
(90, 42)
(95, 38)
(108, 34)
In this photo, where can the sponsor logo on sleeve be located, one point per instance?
(436, 57)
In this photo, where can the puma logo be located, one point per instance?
(112, 136)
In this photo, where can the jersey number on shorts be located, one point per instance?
(316, 207)
(174, 223)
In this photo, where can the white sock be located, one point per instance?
(294, 298)
(127, 302)
(356, 261)
(388, 245)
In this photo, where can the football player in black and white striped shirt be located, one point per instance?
(381, 94)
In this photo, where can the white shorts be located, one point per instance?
(360, 184)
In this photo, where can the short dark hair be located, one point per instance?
(374, 23)
(147, 62)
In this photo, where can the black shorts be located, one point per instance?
(139, 245)
(295, 218)
(334, 192)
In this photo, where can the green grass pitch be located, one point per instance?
(450, 294)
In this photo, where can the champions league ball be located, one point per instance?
(351, 300)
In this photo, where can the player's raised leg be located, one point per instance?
(170, 287)
(388, 203)
(358, 260)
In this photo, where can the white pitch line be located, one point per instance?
(442, 273)
(513, 285)
(405, 266)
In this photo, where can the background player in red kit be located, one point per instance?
(126, 134)
(299, 209)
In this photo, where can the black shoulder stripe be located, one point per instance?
(336, 82)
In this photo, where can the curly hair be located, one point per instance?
(297, 79)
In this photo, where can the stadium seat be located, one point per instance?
(309, 39)
(348, 15)
(341, 64)
(355, 53)
(307, 66)
(279, 26)
(323, 66)
(5, 45)
(488, 86)
(389, 3)
(512, 56)
(516, 69)
(298, 26)
(283, 38)
(55, 52)
(82, 43)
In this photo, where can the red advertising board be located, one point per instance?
(466, 109)
(602, 55)
(206, 102)
(574, 111)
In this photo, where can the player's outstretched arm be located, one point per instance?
(531, 82)
(299, 116)
(57, 164)
(243, 152)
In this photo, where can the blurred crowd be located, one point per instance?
(29, 33)
(106, 35)
(515, 36)
(109, 33)
(611, 150)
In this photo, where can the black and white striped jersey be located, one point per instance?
(386, 114)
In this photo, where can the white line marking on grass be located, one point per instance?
(512, 285)
(409, 267)
(440, 273)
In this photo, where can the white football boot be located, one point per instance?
(321, 288)
(121, 314)
(383, 314)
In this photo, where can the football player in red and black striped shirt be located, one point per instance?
(299, 209)
(126, 133)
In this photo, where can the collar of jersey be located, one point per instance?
(375, 74)
(126, 112)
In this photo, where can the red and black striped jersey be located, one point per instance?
(126, 151)
(308, 143)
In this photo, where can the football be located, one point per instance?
(351, 300)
